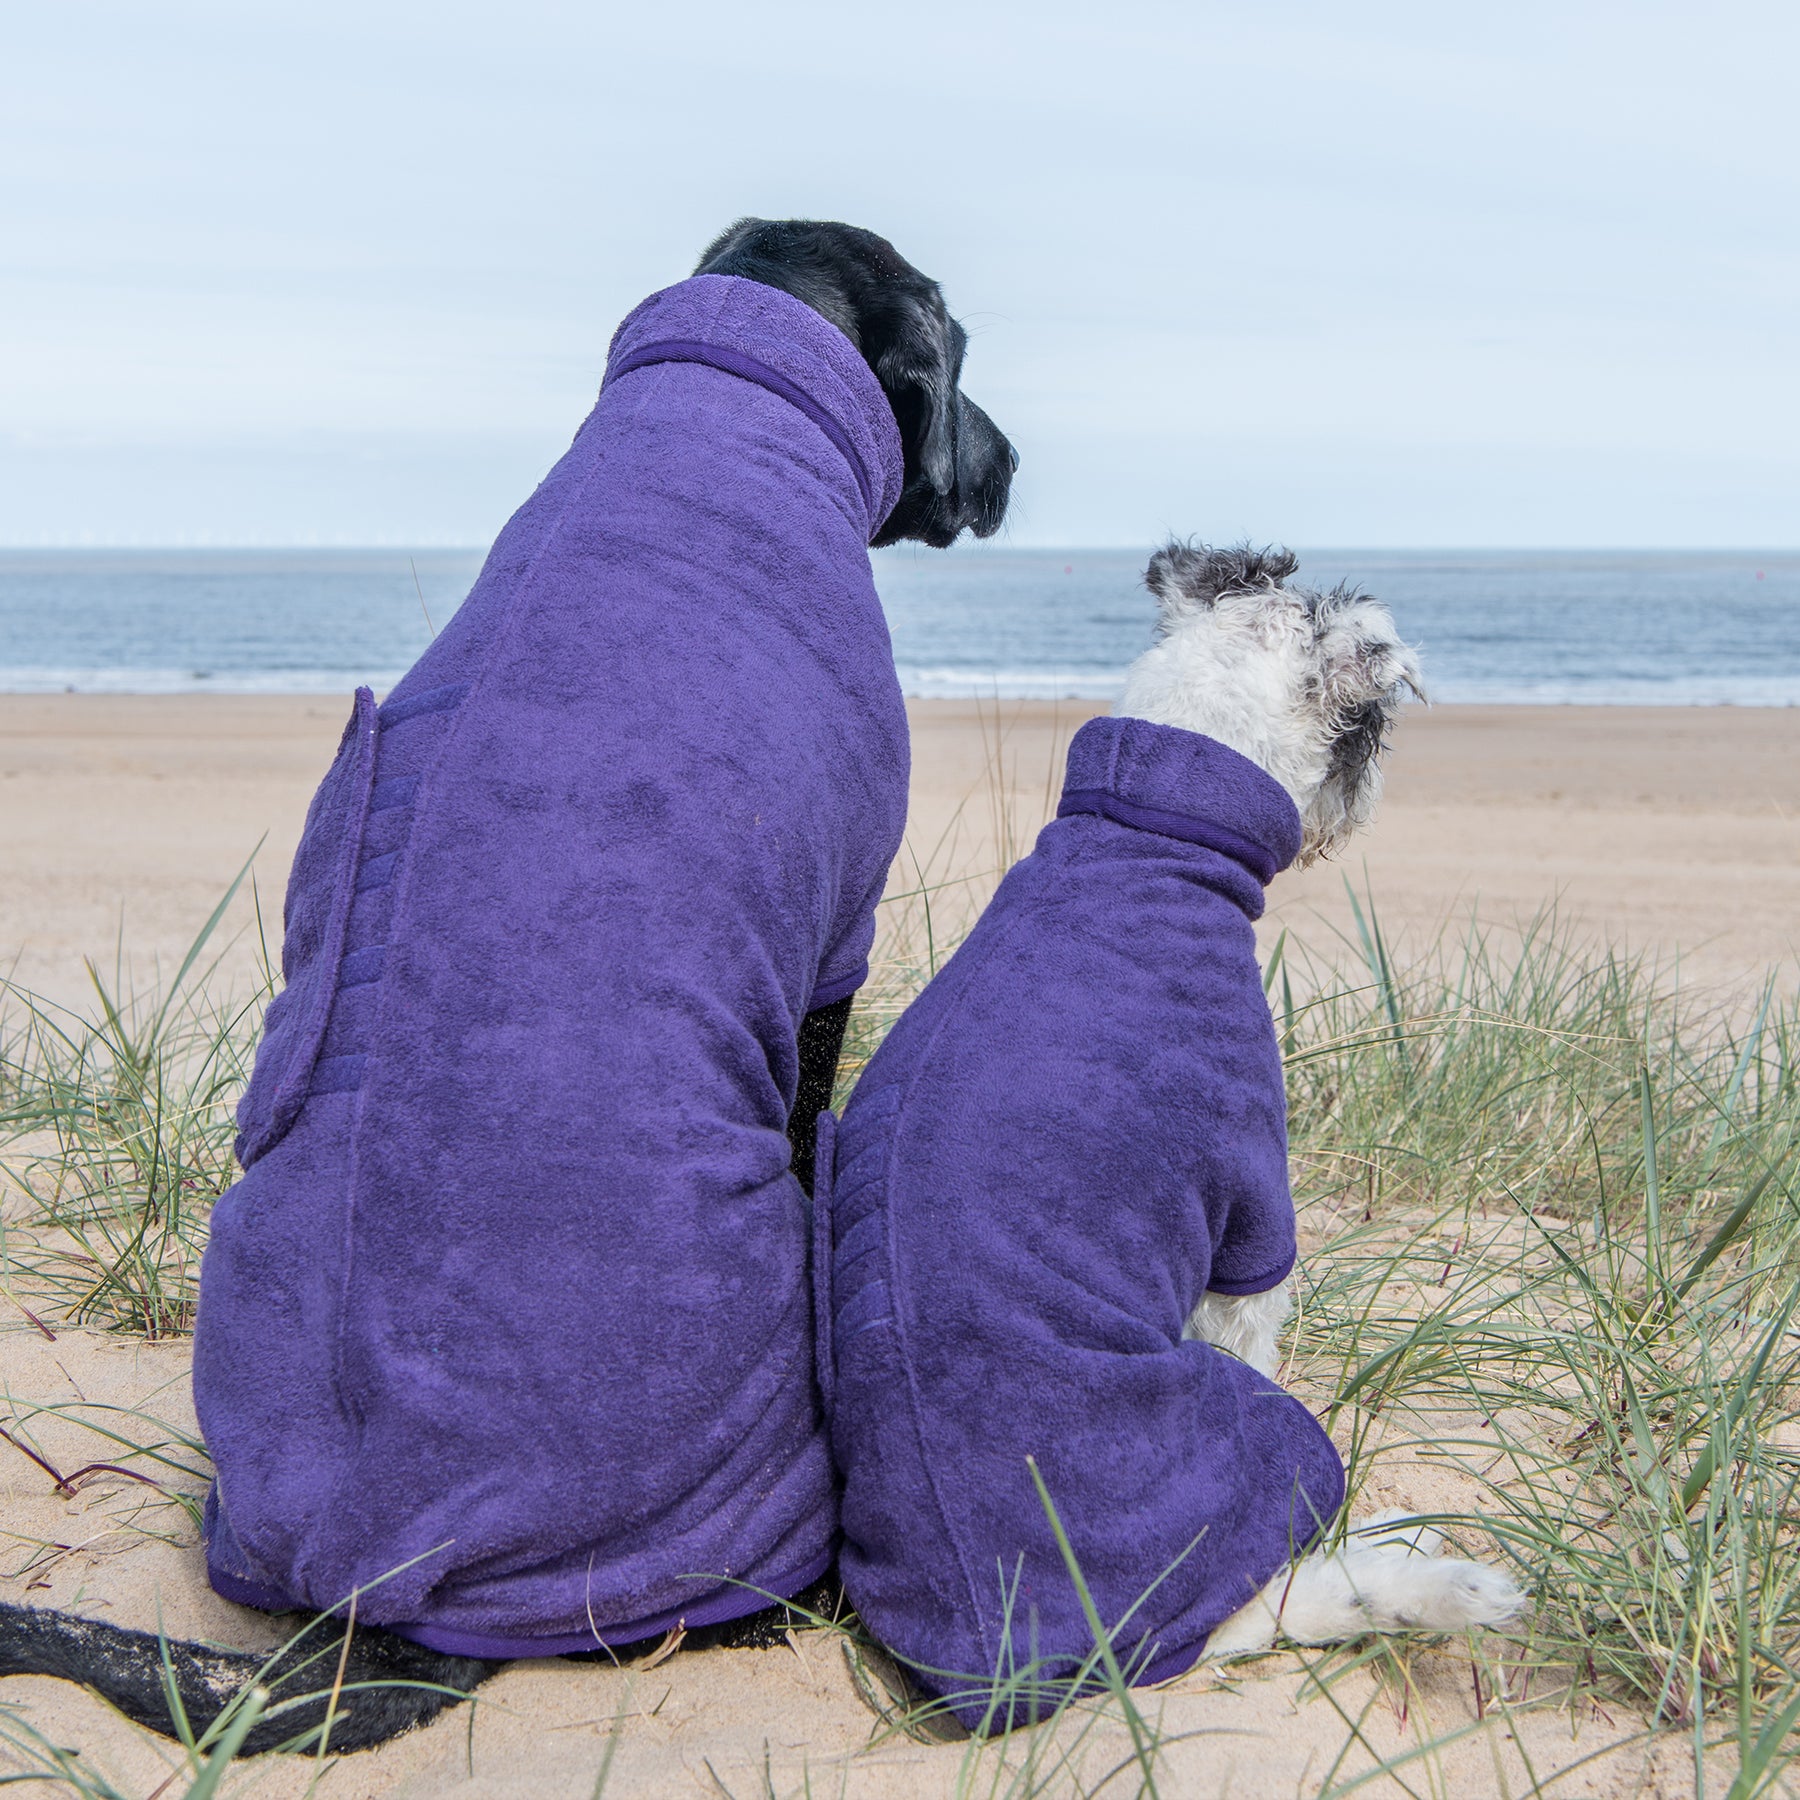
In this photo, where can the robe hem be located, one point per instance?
(967, 1701)
(1259, 1284)
(719, 1608)
(829, 993)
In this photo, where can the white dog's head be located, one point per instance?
(1304, 684)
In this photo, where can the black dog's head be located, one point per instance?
(959, 466)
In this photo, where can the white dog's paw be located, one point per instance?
(1385, 1578)
(1248, 1326)
(1393, 1587)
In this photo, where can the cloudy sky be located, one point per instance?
(1358, 274)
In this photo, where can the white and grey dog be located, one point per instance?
(1305, 685)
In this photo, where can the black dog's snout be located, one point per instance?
(1012, 450)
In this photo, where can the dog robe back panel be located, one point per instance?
(509, 1314)
(1076, 1131)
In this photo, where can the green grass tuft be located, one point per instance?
(115, 1139)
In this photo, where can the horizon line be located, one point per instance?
(1134, 546)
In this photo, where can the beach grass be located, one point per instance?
(116, 1126)
(1550, 1214)
(1558, 1261)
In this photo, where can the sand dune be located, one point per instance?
(1679, 831)
(712, 1721)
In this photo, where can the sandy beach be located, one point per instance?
(1671, 830)
(124, 820)
(1674, 831)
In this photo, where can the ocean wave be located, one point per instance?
(926, 683)
(140, 680)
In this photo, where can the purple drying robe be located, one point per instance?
(514, 1288)
(1070, 1136)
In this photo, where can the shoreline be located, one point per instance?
(343, 683)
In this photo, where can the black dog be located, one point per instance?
(958, 474)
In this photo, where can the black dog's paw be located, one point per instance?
(768, 1629)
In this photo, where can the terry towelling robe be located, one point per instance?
(1076, 1131)
(512, 1297)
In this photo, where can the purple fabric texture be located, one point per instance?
(514, 1287)
(1075, 1131)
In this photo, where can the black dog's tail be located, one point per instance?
(387, 1683)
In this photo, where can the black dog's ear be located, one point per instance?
(918, 366)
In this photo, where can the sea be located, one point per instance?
(1675, 628)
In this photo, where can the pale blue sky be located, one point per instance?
(1332, 273)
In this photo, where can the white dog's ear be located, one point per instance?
(1364, 671)
(1189, 578)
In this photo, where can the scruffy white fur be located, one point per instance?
(1248, 1325)
(1305, 685)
